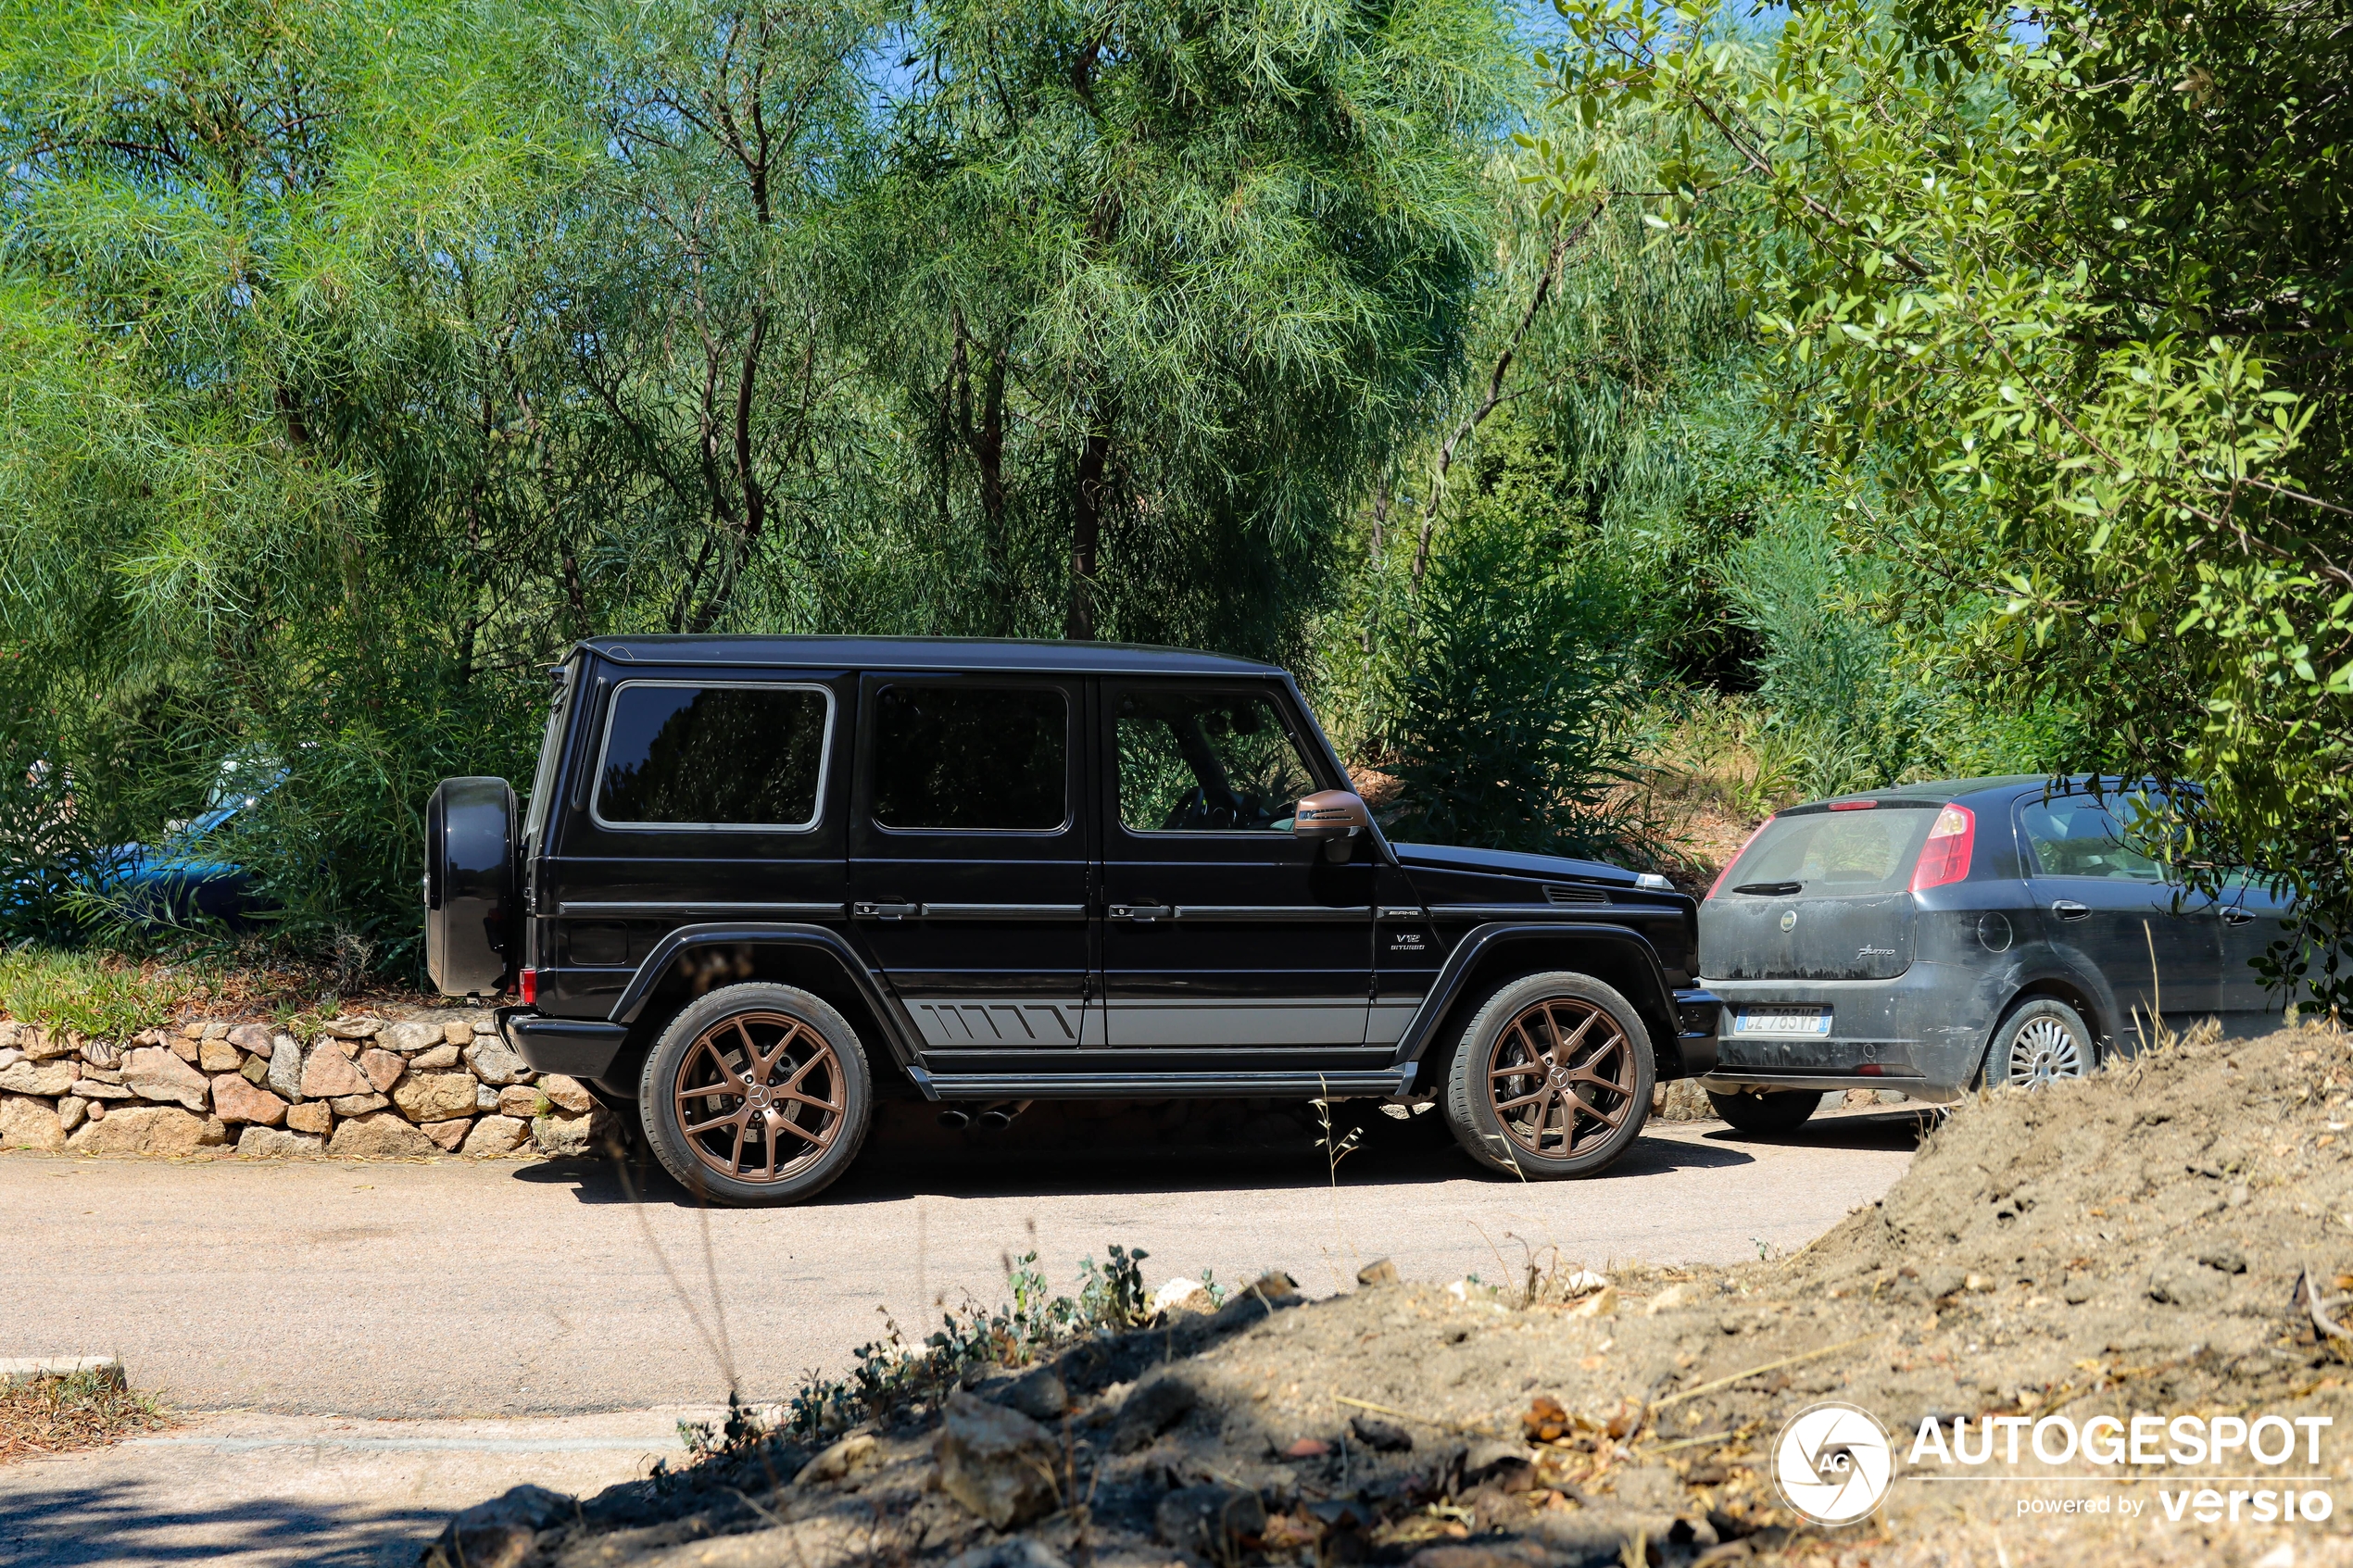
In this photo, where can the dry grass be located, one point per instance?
(55, 1415)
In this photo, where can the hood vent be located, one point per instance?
(1554, 893)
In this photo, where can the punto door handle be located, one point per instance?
(2068, 909)
(2237, 916)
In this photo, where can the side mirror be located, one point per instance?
(1334, 816)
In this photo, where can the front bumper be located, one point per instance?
(1922, 1033)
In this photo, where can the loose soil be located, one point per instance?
(55, 1415)
(2132, 1242)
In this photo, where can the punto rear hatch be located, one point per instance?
(1824, 892)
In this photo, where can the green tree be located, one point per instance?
(2091, 287)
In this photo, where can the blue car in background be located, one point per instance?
(183, 878)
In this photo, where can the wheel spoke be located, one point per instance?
(698, 1129)
(1561, 1050)
(1524, 1099)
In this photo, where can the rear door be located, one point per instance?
(1222, 930)
(2107, 906)
(970, 864)
(2254, 916)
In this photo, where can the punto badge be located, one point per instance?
(1789, 919)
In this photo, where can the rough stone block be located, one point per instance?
(234, 1100)
(43, 1045)
(71, 1111)
(327, 1073)
(275, 1142)
(566, 1092)
(523, 1101)
(254, 1037)
(494, 1061)
(313, 1118)
(29, 1124)
(352, 1028)
(440, 1058)
(495, 1136)
(141, 1129)
(358, 1105)
(159, 1075)
(994, 1461)
(50, 1078)
(219, 1056)
(448, 1135)
(435, 1097)
(382, 1068)
(410, 1038)
(381, 1135)
(458, 1031)
(286, 1067)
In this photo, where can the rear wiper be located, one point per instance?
(1771, 889)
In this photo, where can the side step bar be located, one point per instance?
(1354, 1085)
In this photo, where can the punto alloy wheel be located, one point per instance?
(1552, 1077)
(2040, 1040)
(757, 1095)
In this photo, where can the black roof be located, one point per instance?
(1008, 655)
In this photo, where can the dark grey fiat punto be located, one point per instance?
(1937, 936)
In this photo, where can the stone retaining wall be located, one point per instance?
(432, 1083)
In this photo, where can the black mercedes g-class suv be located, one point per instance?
(760, 879)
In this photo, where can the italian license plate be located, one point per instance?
(1785, 1022)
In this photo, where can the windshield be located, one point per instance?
(1834, 852)
(544, 778)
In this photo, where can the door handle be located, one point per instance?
(2236, 916)
(1144, 912)
(887, 909)
(2068, 909)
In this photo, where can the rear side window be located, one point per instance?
(683, 755)
(2077, 836)
(971, 759)
(1833, 852)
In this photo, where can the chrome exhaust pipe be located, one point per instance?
(998, 1117)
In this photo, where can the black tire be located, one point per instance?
(1599, 1095)
(2038, 1041)
(811, 1103)
(1773, 1110)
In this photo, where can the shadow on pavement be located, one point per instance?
(1089, 1149)
(1874, 1129)
(58, 1525)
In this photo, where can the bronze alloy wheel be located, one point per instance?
(760, 1096)
(1561, 1077)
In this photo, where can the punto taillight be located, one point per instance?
(1944, 858)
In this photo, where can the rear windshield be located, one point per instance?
(1834, 852)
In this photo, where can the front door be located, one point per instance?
(969, 861)
(2109, 908)
(2255, 915)
(1223, 930)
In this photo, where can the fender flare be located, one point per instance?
(898, 1030)
(1421, 1030)
(2108, 1015)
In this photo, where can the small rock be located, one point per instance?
(566, 1092)
(30, 1124)
(254, 1037)
(1014, 1551)
(314, 1118)
(97, 1110)
(276, 1143)
(156, 1036)
(46, 1078)
(234, 1100)
(1210, 1522)
(381, 1136)
(2226, 1257)
(328, 1072)
(141, 1129)
(494, 1061)
(1275, 1285)
(1492, 1460)
(997, 1462)
(219, 1056)
(286, 1067)
(458, 1031)
(450, 1135)
(1178, 1295)
(102, 1053)
(216, 1132)
(1377, 1273)
(1381, 1435)
(187, 1051)
(502, 1533)
(1602, 1305)
(256, 1069)
(410, 1038)
(9, 1057)
(159, 1075)
(1150, 1411)
(1038, 1394)
(485, 1099)
(358, 1105)
(853, 1453)
(1308, 1447)
(215, 1029)
(565, 1135)
(89, 1087)
(521, 1099)
(1978, 1284)
(352, 1028)
(495, 1137)
(439, 1059)
(71, 1111)
(40, 1044)
(435, 1097)
(381, 1068)
(1667, 1300)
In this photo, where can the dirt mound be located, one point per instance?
(2132, 1243)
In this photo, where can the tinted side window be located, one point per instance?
(690, 756)
(2074, 837)
(977, 759)
(1206, 763)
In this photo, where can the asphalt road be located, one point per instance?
(455, 1290)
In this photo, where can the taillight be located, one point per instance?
(1717, 886)
(528, 986)
(1944, 858)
